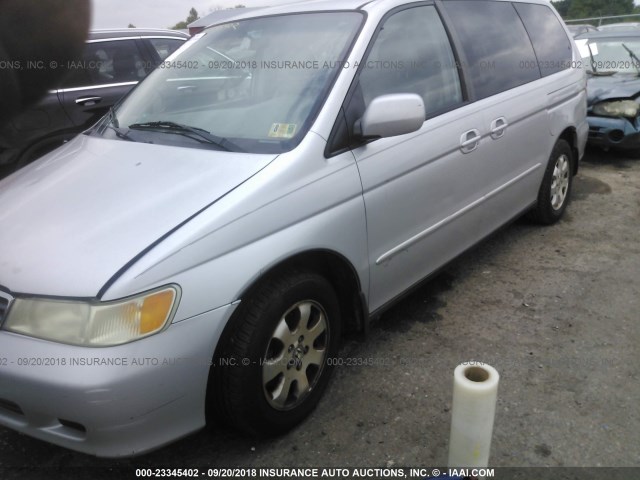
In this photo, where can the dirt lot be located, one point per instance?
(555, 310)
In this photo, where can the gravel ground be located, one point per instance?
(555, 310)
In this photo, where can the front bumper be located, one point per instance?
(115, 401)
(614, 132)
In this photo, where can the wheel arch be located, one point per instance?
(338, 271)
(570, 135)
(335, 268)
(331, 265)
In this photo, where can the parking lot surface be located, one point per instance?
(554, 309)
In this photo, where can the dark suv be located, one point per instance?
(113, 62)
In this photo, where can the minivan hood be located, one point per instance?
(620, 85)
(71, 220)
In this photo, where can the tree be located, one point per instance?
(562, 6)
(179, 26)
(599, 8)
(192, 17)
(131, 25)
(239, 6)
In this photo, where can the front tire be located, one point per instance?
(555, 190)
(274, 365)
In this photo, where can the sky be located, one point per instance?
(159, 13)
(162, 13)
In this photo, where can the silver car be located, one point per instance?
(279, 180)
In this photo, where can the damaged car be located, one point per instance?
(612, 61)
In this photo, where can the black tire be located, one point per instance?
(555, 190)
(254, 350)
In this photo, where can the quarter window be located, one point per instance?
(412, 54)
(495, 43)
(165, 46)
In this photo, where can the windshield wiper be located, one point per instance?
(120, 133)
(201, 134)
(114, 125)
(633, 57)
(593, 62)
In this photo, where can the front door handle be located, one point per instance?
(498, 127)
(88, 101)
(469, 141)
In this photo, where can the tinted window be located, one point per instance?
(108, 62)
(165, 46)
(550, 41)
(412, 54)
(496, 45)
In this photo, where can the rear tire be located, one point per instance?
(274, 364)
(555, 190)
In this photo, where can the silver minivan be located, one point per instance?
(279, 180)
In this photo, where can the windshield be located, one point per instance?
(610, 54)
(253, 86)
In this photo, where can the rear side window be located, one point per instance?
(107, 62)
(498, 51)
(550, 42)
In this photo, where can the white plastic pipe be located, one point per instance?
(475, 391)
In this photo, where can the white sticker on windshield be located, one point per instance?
(584, 49)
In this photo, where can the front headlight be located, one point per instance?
(93, 324)
(619, 108)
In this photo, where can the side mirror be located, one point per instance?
(391, 115)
